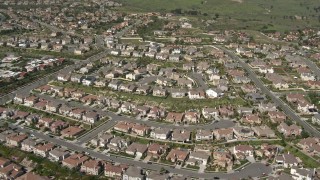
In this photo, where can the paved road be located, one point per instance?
(313, 67)
(253, 170)
(114, 118)
(291, 114)
(199, 79)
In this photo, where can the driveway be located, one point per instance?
(137, 158)
(202, 168)
(251, 159)
(147, 159)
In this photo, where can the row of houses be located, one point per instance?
(158, 91)
(71, 160)
(175, 117)
(12, 170)
(186, 136)
(301, 103)
(82, 115)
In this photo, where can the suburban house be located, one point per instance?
(91, 167)
(137, 149)
(302, 173)
(177, 155)
(90, 117)
(251, 119)
(156, 150)
(133, 173)
(71, 131)
(191, 117)
(117, 144)
(74, 161)
(196, 94)
(16, 139)
(28, 145)
(292, 130)
(204, 135)
(156, 113)
(242, 132)
(43, 149)
(140, 130)
(123, 126)
(223, 134)
(105, 139)
(223, 158)
(63, 77)
(58, 154)
(264, 131)
(287, 160)
(310, 145)
(30, 101)
(175, 117)
(242, 151)
(113, 171)
(197, 158)
(160, 133)
(277, 116)
(209, 113)
(11, 171)
(53, 106)
(181, 135)
(316, 119)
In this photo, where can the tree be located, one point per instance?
(304, 134)
(163, 170)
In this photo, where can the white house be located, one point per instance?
(302, 173)
(211, 93)
(266, 69)
(115, 52)
(160, 133)
(316, 119)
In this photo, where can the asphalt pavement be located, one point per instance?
(199, 80)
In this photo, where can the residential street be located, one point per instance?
(252, 170)
(253, 76)
(312, 66)
(152, 90)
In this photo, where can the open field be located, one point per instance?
(247, 14)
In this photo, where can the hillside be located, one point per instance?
(248, 14)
